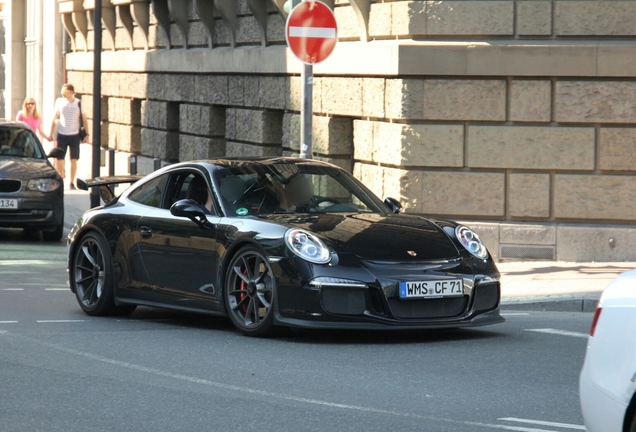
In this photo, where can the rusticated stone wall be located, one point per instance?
(516, 116)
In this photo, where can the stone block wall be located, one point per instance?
(400, 19)
(549, 151)
(87, 105)
(517, 117)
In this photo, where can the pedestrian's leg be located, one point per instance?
(73, 172)
(74, 146)
(59, 165)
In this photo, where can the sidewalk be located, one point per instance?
(76, 202)
(530, 285)
(556, 285)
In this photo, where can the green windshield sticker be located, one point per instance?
(242, 211)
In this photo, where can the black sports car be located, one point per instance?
(277, 242)
(31, 190)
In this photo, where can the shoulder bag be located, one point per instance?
(82, 130)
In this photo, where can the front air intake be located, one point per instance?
(343, 301)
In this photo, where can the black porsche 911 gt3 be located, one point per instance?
(277, 242)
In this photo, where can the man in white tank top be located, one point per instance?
(68, 111)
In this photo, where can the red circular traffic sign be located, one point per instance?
(311, 31)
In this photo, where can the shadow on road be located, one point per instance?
(311, 336)
(20, 235)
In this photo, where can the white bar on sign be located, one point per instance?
(312, 32)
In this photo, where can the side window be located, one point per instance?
(185, 185)
(177, 188)
(149, 193)
(188, 185)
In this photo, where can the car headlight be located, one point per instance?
(471, 242)
(307, 246)
(43, 185)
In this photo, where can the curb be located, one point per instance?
(557, 303)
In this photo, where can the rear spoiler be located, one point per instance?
(106, 185)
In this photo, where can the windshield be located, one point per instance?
(19, 142)
(292, 188)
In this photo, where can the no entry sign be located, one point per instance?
(311, 31)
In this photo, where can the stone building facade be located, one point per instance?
(515, 116)
(31, 54)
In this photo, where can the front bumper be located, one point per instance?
(35, 210)
(375, 303)
(488, 318)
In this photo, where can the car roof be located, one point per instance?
(230, 162)
(241, 161)
(13, 124)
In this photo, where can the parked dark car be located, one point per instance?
(31, 190)
(287, 242)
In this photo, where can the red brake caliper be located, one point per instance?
(243, 288)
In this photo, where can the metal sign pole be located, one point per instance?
(311, 32)
(307, 78)
(97, 97)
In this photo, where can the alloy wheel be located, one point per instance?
(250, 292)
(89, 272)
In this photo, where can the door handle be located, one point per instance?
(145, 232)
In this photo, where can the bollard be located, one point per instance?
(111, 162)
(156, 163)
(133, 164)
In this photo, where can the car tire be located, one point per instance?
(632, 428)
(92, 278)
(55, 235)
(250, 289)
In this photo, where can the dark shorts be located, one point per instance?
(71, 141)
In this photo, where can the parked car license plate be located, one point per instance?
(8, 203)
(432, 289)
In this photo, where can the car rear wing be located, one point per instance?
(106, 185)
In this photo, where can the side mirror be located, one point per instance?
(393, 204)
(191, 210)
(56, 153)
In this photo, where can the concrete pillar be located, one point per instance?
(3, 59)
(52, 60)
(33, 51)
(15, 87)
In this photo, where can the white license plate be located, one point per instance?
(432, 288)
(8, 204)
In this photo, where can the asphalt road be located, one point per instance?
(157, 370)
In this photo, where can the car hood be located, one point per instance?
(23, 168)
(377, 237)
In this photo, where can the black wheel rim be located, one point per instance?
(250, 290)
(89, 272)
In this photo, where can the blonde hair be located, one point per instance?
(25, 111)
